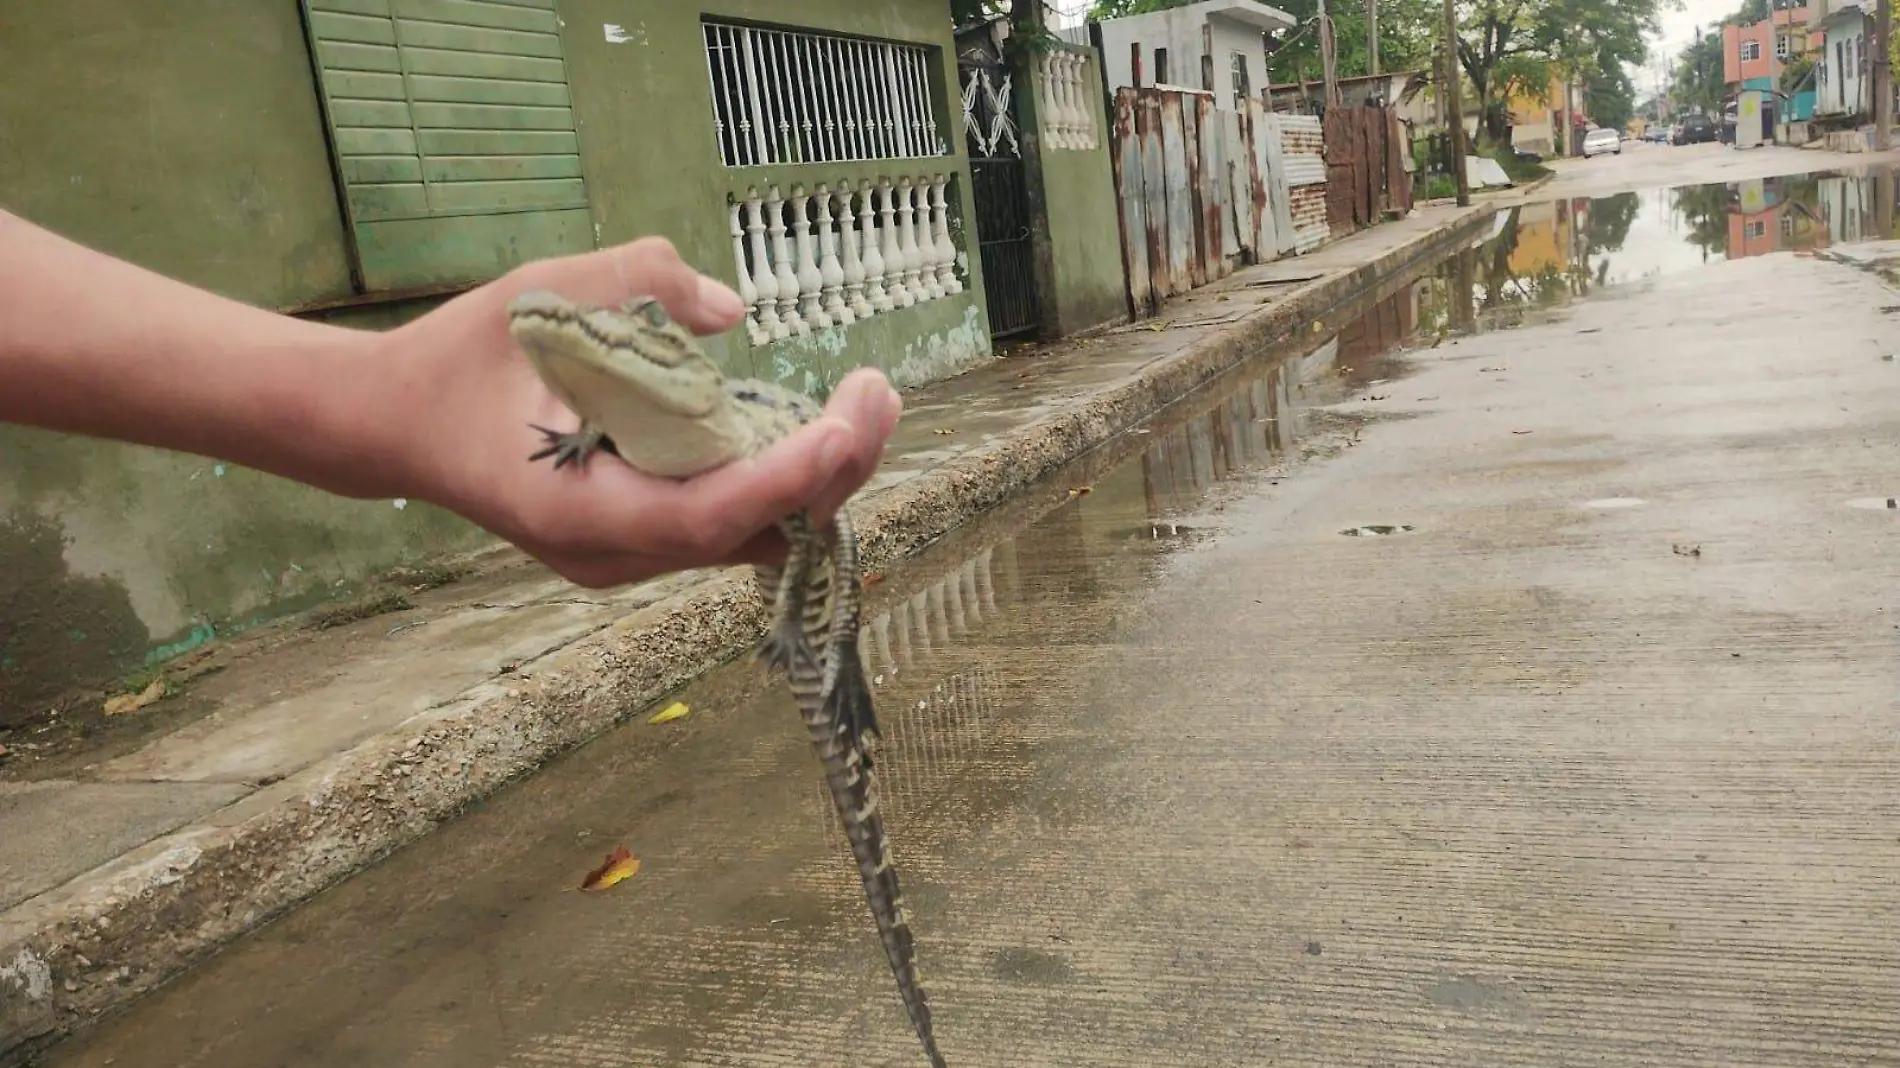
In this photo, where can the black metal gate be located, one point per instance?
(1001, 192)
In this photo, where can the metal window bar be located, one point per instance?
(786, 96)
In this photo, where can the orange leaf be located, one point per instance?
(873, 579)
(621, 865)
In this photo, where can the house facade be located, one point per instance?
(1538, 120)
(1753, 55)
(360, 161)
(1841, 80)
(1171, 45)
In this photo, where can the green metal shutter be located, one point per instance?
(454, 135)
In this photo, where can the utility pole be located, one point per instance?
(1882, 69)
(1454, 106)
(1372, 37)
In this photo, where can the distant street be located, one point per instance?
(1644, 166)
(1524, 697)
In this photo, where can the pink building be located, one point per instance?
(1761, 49)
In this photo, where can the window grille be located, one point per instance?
(783, 96)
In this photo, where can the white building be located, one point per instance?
(1842, 83)
(1172, 42)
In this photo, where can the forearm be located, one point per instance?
(97, 346)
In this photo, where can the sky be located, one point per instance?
(1678, 29)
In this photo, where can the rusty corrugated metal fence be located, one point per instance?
(1201, 191)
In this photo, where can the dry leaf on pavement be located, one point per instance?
(676, 710)
(621, 865)
(127, 703)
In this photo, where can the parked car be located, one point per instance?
(1694, 129)
(1603, 139)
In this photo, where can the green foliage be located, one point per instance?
(1795, 72)
(1611, 98)
(1518, 170)
(1699, 82)
(1502, 40)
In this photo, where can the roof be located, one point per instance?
(1262, 17)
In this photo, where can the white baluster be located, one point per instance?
(1072, 97)
(782, 266)
(874, 268)
(1057, 108)
(907, 244)
(853, 261)
(811, 281)
(762, 278)
(748, 293)
(927, 251)
(1084, 105)
(1046, 100)
(828, 267)
(901, 297)
(946, 249)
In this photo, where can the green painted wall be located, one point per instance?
(1079, 240)
(183, 136)
(187, 137)
(649, 149)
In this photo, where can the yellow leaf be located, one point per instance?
(620, 866)
(127, 702)
(676, 710)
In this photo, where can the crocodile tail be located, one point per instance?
(854, 789)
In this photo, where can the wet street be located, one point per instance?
(1508, 678)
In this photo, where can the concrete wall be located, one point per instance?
(1179, 31)
(188, 137)
(1078, 237)
(1842, 88)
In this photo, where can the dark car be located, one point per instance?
(1695, 129)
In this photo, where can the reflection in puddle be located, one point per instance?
(1876, 503)
(1544, 256)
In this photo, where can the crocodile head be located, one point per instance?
(638, 376)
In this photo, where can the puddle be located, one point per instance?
(1376, 531)
(1876, 503)
(1615, 502)
(1544, 256)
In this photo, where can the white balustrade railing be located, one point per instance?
(831, 256)
(1068, 105)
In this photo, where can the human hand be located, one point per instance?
(469, 396)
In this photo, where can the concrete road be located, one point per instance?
(1534, 707)
(1648, 166)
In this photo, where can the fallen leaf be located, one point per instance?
(873, 579)
(1520, 431)
(1081, 491)
(127, 703)
(676, 710)
(620, 866)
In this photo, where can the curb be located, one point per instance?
(105, 938)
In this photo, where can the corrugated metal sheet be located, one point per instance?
(445, 110)
(1200, 190)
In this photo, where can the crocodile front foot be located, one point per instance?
(573, 447)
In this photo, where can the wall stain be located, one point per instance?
(56, 628)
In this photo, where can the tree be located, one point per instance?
(1699, 83)
(1590, 39)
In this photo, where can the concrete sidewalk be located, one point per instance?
(320, 751)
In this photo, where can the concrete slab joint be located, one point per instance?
(118, 930)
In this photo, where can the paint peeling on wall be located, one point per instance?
(943, 353)
(29, 974)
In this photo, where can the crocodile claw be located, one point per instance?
(572, 448)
